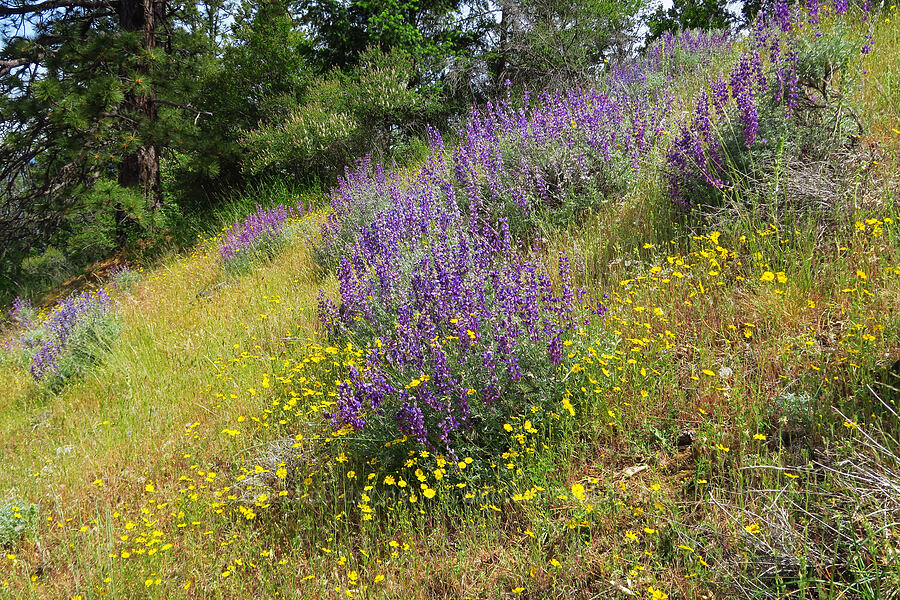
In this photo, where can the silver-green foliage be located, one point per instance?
(17, 520)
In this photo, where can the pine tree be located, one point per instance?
(93, 94)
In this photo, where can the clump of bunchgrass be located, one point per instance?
(825, 526)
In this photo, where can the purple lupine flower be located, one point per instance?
(349, 408)
(812, 6)
(870, 42)
(554, 349)
(21, 313)
(782, 15)
(866, 7)
(742, 92)
(720, 96)
(327, 312)
(411, 421)
(447, 426)
(48, 339)
(262, 227)
(788, 81)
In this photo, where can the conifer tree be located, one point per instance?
(92, 94)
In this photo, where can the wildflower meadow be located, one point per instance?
(635, 339)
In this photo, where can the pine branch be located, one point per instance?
(8, 9)
(186, 107)
(8, 65)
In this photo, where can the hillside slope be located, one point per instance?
(639, 340)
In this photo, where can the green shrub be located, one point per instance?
(344, 114)
(773, 139)
(560, 193)
(50, 265)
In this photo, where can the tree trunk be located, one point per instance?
(140, 169)
(498, 65)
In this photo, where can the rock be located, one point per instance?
(686, 438)
(630, 472)
(41, 419)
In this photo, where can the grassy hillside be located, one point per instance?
(604, 347)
